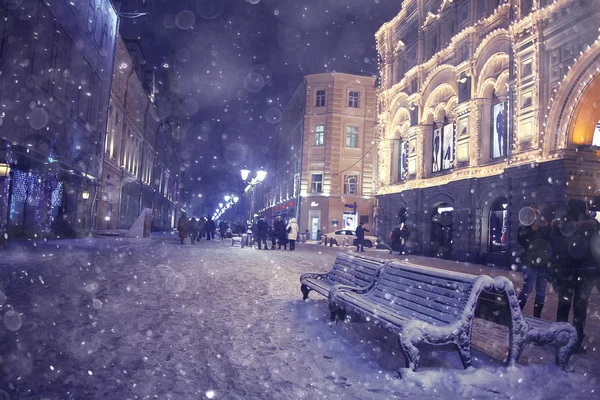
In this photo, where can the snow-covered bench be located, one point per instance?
(348, 269)
(428, 305)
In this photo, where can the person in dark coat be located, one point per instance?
(210, 228)
(262, 229)
(193, 229)
(573, 268)
(360, 237)
(273, 235)
(182, 227)
(534, 257)
(282, 234)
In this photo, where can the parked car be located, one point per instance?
(338, 238)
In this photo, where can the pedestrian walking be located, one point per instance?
(193, 229)
(273, 235)
(292, 233)
(535, 255)
(182, 227)
(573, 267)
(360, 237)
(209, 228)
(261, 233)
(201, 223)
(281, 234)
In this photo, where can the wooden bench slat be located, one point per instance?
(413, 304)
(432, 281)
(406, 299)
(397, 316)
(419, 290)
(360, 274)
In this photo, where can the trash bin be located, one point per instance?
(303, 237)
(244, 240)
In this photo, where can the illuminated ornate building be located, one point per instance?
(323, 169)
(56, 61)
(485, 107)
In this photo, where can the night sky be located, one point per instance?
(237, 62)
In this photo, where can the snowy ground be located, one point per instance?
(113, 318)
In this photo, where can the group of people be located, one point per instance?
(196, 228)
(280, 233)
(566, 253)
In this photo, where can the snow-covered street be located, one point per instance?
(113, 318)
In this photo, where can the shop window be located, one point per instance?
(353, 99)
(350, 184)
(319, 139)
(316, 184)
(596, 139)
(443, 147)
(402, 166)
(320, 98)
(498, 226)
(498, 129)
(352, 136)
(441, 231)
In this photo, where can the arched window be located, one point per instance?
(498, 226)
(443, 146)
(498, 131)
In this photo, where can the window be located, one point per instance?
(353, 99)
(104, 41)
(443, 148)
(498, 130)
(320, 100)
(350, 184)
(43, 41)
(352, 136)
(95, 100)
(319, 135)
(62, 65)
(91, 19)
(316, 183)
(85, 93)
(402, 161)
(596, 138)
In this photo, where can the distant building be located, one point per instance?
(324, 153)
(141, 161)
(56, 62)
(485, 107)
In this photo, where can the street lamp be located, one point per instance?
(245, 173)
(220, 205)
(85, 194)
(235, 199)
(227, 197)
(261, 175)
(4, 170)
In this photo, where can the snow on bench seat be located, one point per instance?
(428, 305)
(348, 269)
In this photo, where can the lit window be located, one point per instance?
(319, 135)
(320, 100)
(350, 184)
(352, 136)
(443, 148)
(498, 130)
(354, 99)
(596, 139)
(402, 161)
(317, 183)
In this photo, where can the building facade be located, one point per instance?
(141, 161)
(326, 174)
(56, 61)
(485, 107)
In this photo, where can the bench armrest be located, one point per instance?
(347, 288)
(312, 275)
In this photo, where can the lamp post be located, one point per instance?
(259, 178)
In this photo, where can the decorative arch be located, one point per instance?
(574, 108)
(497, 41)
(442, 94)
(438, 199)
(495, 66)
(442, 75)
